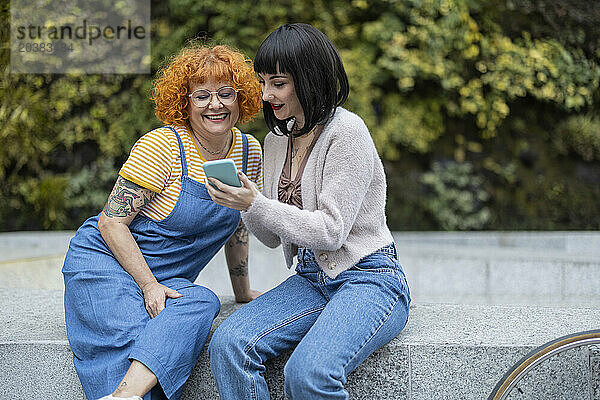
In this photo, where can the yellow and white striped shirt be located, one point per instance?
(155, 163)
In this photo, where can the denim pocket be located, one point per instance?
(307, 262)
(379, 269)
(377, 262)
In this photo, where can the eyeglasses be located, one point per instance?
(202, 97)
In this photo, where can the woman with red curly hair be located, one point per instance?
(136, 322)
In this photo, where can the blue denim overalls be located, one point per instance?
(107, 323)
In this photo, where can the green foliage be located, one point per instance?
(508, 89)
(573, 23)
(474, 70)
(86, 199)
(581, 134)
(46, 195)
(415, 124)
(455, 196)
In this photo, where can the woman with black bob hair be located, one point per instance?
(324, 202)
(316, 67)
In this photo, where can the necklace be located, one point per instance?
(204, 147)
(212, 152)
(296, 151)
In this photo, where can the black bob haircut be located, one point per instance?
(314, 63)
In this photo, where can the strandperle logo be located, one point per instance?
(80, 37)
(84, 31)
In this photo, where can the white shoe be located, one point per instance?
(111, 397)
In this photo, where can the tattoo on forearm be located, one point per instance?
(239, 270)
(126, 198)
(237, 252)
(240, 237)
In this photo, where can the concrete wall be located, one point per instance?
(535, 268)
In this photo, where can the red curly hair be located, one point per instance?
(196, 64)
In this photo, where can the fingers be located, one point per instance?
(248, 184)
(225, 196)
(237, 198)
(244, 179)
(217, 192)
(155, 301)
(149, 311)
(154, 306)
(174, 294)
(159, 307)
(210, 188)
(255, 294)
(247, 297)
(214, 194)
(220, 185)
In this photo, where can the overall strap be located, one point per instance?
(184, 171)
(245, 164)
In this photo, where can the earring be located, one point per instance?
(291, 123)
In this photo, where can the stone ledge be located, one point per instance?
(556, 269)
(445, 352)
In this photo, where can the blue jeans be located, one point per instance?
(335, 324)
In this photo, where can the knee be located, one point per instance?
(204, 300)
(306, 376)
(225, 342)
(299, 373)
(218, 342)
(228, 336)
(213, 302)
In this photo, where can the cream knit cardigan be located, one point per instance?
(343, 196)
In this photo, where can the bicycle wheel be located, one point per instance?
(535, 357)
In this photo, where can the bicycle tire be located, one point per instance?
(536, 356)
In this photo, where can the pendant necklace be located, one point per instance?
(204, 147)
(296, 151)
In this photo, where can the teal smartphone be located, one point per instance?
(223, 170)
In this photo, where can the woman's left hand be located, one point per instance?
(238, 198)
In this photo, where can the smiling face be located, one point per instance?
(216, 119)
(279, 91)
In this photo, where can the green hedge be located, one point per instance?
(485, 113)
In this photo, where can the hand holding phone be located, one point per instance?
(239, 198)
(223, 170)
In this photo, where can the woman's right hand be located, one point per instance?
(155, 296)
